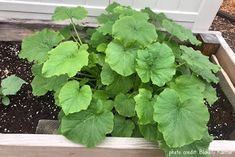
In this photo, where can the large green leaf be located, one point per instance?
(66, 58)
(101, 105)
(73, 99)
(125, 105)
(150, 132)
(210, 94)
(181, 123)
(64, 13)
(200, 64)
(120, 59)
(36, 47)
(134, 29)
(156, 62)
(180, 32)
(11, 85)
(198, 148)
(115, 81)
(41, 85)
(86, 127)
(122, 127)
(188, 87)
(144, 106)
(107, 75)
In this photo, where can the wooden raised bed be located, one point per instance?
(36, 145)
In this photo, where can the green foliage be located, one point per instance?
(66, 58)
(156, 63)
(36, 47)
(64, 13)
(10, 86)
(125, 105)
(73, 99)
(86, 127)
(120, 59)
(41, 84)
(122, 127)
(125, 78)
(144, 106)
(174, 116)
(200, 64)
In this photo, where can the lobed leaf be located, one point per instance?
(156, 63)
(150, 132)
(122, 127)
(125, 105)
(64, 13)
(86, 127)
(182, 33)
(144, 106)
(73, 98)
(188, 87)
(66, 58)
(36, 47)
(41, 85)
(200, 64)
(11, 85)
(174, 116)
(134, 29)
(120, 59)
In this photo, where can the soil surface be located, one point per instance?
(25, 110)
(228, 6)
(22, 115)
(226, 27)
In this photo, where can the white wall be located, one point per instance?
(195, 14)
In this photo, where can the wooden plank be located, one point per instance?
(222, 148)
(28, 145)
(226, 58)
(207, 13)
(15, 145)
(225, 83)
(210, 43)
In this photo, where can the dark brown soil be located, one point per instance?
(25, 110)
(222, 119)
(227, 28)
(22, 115)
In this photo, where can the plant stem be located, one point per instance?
(87, 75)
(80, 79)
(170, 38)
(74, 27)
(180, 64)
(75, 39)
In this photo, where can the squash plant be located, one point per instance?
(125, 78)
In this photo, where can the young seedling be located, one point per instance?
(10, 86)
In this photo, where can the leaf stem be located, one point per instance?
(87, 75)
(75, 39)
(74, 27)
(180, 64)
(80, 79)
(171, 36)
